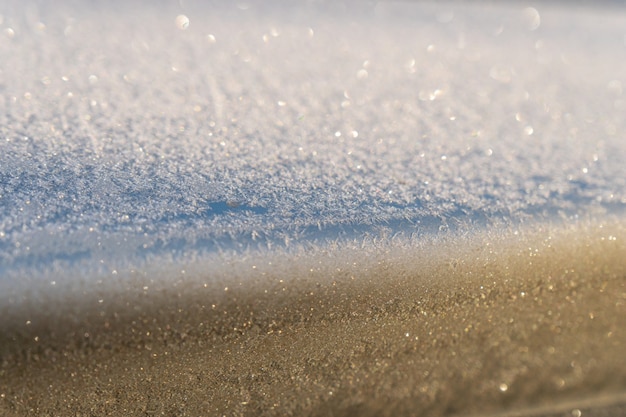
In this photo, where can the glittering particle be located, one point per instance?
(503, 387)
(362, 74)
(410, 66)
(532, 19)
(435, 94)
(182, 22)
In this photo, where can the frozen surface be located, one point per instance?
(309, 208)
(129, 131)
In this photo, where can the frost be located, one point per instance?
(311, 208)
(140, 160)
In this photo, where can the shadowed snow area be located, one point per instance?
(128, 132)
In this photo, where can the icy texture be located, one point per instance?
(228, 209)
(128, 131)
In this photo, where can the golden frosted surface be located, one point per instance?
(461, 325)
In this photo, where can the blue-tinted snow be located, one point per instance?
(126, 134)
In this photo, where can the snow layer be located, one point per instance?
(128, 131)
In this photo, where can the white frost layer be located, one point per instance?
(128, 132)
